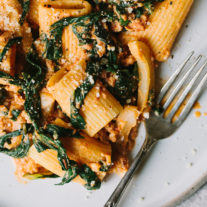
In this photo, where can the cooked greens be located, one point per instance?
(128, 7)
(58, 132)
(92, 181)
(90, 30)
(70, 166)
(81, 92)
(126, 84)
(22, 149)
(31, 82)
(15, 114)
(104, 167)
(25, 9)
(95, 66)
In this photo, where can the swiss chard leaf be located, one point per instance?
(25, 9)
(76, 119)
(40, 147)
(21, 150)
(11, 79)
(71, 173)
(15, 114)
(93, 70)
(7, 137)
(54, 144)
(92, 181)
(33, 82)
(58, 132)
(70, 166)
(126, 84)
(104, 167)
(79, 96)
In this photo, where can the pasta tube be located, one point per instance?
(47, 159)
(92, 151)
(33, 15)
(164, 25)
(99, 107)
(70, 45)
(58, 10)
(10, 11)
(52, 11)
(126, 120)
(88, 150)
(47, 103)
(85, 151)
(142, 54)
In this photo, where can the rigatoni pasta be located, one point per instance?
(56, 10)
(52, 11)
(47, 103)
(126, 120)
(99, 107)
(68, 7)
(142, 54)
(87, 150)
(96, 152)
(163, 27)
(76, 76)
(48, 159)
(10, 12)
(70, 44)
(33, 15)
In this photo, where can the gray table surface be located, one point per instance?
(199, 199)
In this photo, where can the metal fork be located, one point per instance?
(160, 125)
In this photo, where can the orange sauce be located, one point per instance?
(177, 114)
(197, 114)
(197, 105)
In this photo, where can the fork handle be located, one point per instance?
(118, 192)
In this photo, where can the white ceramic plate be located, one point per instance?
(176, 167)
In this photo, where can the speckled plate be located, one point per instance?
(176, 167)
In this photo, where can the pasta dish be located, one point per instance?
(76, 79)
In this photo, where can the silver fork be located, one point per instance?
(159, 126)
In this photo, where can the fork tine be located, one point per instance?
(191, 101)
(173, 77)
(185, 93)
(179, 85)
